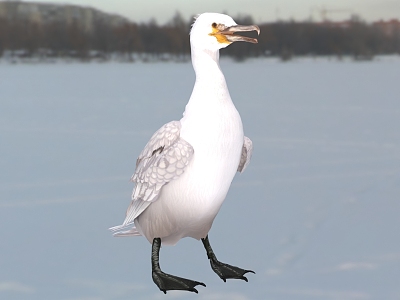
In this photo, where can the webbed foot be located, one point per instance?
(224, 271)
(167, 282)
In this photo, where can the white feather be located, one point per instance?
(205, 149)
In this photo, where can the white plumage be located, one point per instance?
(184, 172)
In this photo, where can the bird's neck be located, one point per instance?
(210, 83)
(206, 66)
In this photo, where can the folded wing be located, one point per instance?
(163, 159)
(247, 151)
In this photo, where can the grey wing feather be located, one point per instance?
(163, 159)
(247, 151)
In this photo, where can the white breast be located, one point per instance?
(187, 206)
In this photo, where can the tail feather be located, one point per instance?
(118, 231)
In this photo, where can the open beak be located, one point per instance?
(231, 37)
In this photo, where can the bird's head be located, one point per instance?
(214, 31)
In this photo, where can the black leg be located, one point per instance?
(167, 282)
(224, 271)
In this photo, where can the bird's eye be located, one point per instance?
(214, 25)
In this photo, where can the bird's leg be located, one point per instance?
(167, 282)
(224, 271)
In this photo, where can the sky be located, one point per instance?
(261, 10)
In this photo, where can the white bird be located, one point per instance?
(184, 172)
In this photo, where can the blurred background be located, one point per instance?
(83, 86)
(47, 30)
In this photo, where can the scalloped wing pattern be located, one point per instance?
(163, 159)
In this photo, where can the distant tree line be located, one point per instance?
(355, 38)
(284, 39)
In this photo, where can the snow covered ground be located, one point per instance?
(316, 214)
